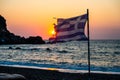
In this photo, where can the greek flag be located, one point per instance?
(71, 28)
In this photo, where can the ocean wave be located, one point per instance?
(104, 55)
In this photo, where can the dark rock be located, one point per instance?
(48, 49)
(3, 24)
(10, 48)
(17, 48)
(34, 40)
(7, 37)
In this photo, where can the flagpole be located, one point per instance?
(88, 33)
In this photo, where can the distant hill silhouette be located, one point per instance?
(6, 37)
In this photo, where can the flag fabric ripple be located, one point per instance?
(71, 28)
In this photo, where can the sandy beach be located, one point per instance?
(36, 73)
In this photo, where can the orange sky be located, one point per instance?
(35, 17)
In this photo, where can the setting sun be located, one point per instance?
(53, 32)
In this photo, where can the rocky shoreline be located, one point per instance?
(6, 37)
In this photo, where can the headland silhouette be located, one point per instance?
(6, 37)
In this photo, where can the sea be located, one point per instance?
(73, 55)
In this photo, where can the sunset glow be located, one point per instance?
(35, 17)
(53, 32)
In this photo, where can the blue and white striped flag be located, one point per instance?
(71, 28)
